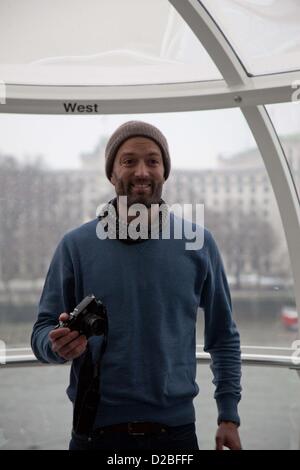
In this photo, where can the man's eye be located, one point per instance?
(153, 161)
(128, 161)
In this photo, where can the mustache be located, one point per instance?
(141, 181)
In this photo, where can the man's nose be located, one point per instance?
(141, 169)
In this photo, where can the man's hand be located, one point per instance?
(66, 343)
(228, 436)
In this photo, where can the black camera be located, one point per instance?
(89, 318)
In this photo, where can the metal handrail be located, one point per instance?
(27, 358)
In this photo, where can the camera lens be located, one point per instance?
(94, 326)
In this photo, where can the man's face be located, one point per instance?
(138, 171)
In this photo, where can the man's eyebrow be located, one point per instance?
(127, 154)
(154, 152)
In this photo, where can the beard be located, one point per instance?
(147, 197)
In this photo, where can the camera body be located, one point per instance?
(89, 318)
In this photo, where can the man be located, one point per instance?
(151, 288)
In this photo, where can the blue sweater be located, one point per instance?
(152, 291)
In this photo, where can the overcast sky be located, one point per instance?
(195, 138)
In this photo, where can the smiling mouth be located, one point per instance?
(141, 187)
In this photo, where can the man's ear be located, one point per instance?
(113, 179)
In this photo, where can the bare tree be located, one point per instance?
(247, 242)
(34, 214)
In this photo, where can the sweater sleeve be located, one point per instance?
(57, 297)
(221, 337)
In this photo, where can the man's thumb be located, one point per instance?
(219, 443)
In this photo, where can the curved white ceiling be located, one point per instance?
(265, 34)
(92, 42)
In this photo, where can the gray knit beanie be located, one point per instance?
(135, 129)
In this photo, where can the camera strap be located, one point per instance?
(88, 391)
